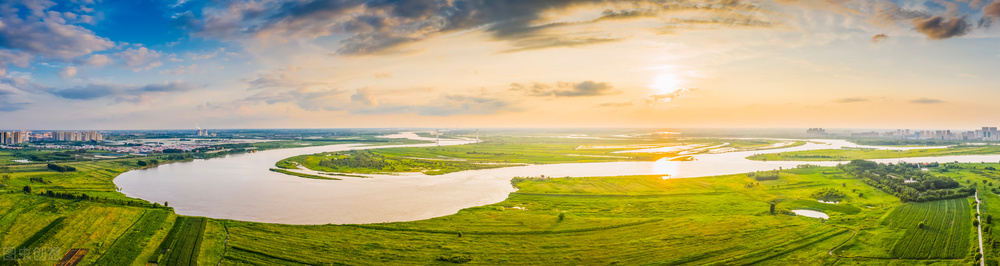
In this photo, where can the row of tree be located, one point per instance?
(61, 168)
(906, 181)
(763, 175)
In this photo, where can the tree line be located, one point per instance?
(906, 181)
(61, 168)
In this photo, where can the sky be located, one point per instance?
(174, 64)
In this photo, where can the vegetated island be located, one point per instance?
(848, 154)
(512, 151)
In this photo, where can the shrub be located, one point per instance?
(562, 216)
(921, 225)
(454, 258)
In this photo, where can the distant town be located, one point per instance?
(984, 134)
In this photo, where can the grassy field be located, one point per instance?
(852, 153)
(507, 151)
(606, 220)
(724, 220)
(183, 244)
(945, 234)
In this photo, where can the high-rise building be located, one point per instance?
(77, 136)
(14, 137)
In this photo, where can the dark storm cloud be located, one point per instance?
(926, 101)
(938, 27)
(564, 89)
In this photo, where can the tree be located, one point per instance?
(166, 204)
(27, 189)
(921, 225)
(975, 222)
(141, 163)
(562, 216)
(772, 207)
(989, 219)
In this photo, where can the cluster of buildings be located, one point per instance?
(984, 134)
(17, 137)
(77, 136)
(14, 137)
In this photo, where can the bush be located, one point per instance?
(454, 258)
(921, 225)
(562, 216)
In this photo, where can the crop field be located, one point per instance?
(946, 234)
(183, 244)
(126, 249)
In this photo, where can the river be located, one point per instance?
(240, 187)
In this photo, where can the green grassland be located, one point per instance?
(723, 220)
(854, 153)
(503, 152)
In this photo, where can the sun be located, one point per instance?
(666, 83)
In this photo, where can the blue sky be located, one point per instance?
(88, 64)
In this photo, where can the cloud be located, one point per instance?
(67, 72)
(46, 34)
(879, 37)
(189, 69)
(992, 11)
(939, 28)
(926, 101)
(97, 60)
(16, 58)
(364, 97)
(140, 58)
(446, 105)
(852, 100)
(564, 89)
(383, 26)
(120, 92)
(383, 75)
(624, 104)
(666, 97)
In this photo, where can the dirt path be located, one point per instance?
(982, 261)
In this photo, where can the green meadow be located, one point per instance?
(722, 220)
(507, 151)
(867, 154)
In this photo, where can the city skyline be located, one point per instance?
(372, 64)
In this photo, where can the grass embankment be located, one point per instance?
(302, 175)
(854, 153)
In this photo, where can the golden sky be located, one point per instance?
(455, 63)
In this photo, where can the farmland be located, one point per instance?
(945, 234)
(183, 244)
